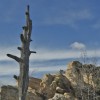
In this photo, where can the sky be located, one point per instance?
(62, 31)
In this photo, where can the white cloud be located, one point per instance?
(12, 70)
(9, 69)
(49, 68)
(53, 54)
(46, 54)
(42, 55)
(5, 50)
(78, 45)
(68, 17)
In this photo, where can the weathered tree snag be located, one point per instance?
(24, 59)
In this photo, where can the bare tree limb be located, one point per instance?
(31, 40)
(19, 48)
(32, 51)
(14, 57)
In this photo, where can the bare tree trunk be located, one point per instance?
(24, 59)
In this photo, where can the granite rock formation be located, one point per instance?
(78, 82)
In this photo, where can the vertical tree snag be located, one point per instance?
(24, 59)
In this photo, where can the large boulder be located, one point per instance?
(11, 93)
(58, 96)
(84, 78)
(65, 96)
(45, 85)
(34, 83)
(58, 83)
(73, 72)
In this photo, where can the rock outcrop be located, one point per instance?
(58, 96)
(34, 83)
(85, 79)
(52, 84)
(78, 82)
(11, 93)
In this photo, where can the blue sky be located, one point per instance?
(60, 29)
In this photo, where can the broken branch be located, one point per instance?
(14, 57)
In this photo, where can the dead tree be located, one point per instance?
(24, 59)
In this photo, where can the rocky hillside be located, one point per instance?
(78, 82)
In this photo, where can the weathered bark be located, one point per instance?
(24, 59)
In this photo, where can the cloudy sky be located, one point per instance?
(61, 30)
